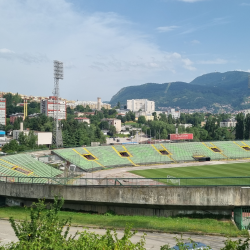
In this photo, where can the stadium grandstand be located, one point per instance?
(102, 157)
(20, 166)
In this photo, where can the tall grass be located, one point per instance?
(162, 224)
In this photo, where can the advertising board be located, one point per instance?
(175, 137)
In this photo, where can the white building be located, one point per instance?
(92, 105)
(228, 123)
(141, 104)
(115, 122)
(48, 107)
(175, 114)
(2, 111)
(43, 138)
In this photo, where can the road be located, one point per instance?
(153, 240)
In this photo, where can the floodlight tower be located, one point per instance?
(57, 132)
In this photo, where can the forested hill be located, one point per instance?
(230, 88)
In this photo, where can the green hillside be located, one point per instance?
(230, 88)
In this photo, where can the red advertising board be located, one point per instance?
(175, 137)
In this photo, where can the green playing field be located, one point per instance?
(220, 170)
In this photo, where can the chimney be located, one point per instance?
(21, 126)
(99, 103)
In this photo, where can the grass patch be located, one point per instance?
(130, 123)
(220, 170)
(163, 224)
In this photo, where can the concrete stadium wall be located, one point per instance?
(160, 201)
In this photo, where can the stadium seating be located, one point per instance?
(24, 165)
(179, 151)
(147, 154)
(76, 158)
(198, 148)
(108, 156)
(232, 150)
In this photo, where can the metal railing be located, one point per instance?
(128, 182)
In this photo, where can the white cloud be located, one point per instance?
(195, 42)
(216, 61)
(5, 51)
(245, 4)
(102, 52)
(166, 28)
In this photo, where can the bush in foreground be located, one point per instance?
(44, 230)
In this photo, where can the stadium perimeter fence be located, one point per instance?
(130, 182)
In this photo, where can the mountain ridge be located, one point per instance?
(229, 88)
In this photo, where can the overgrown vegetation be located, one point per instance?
(45, 230)
(162, 224)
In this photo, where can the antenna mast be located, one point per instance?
(57, 132)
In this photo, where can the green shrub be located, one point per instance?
(45, 230)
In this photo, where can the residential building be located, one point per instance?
(48, 108)
(246, 111)
(13, 117)
(2, 111)
(228, 123)
(141, 104)
(83, 119)
(78, 114)
(114, 122)
(148, 116)
(175, 114)
(92, 105)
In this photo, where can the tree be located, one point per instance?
(163, 117)
(247, 127)
(22, 139)
(104, 125)
(155, 116)
(142, 119)
(10, 147)
(112, 130)
(239, 127)
(170, 119)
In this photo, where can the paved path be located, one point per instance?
(153, 240)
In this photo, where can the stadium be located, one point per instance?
(151, 166)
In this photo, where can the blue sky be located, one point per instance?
(109, 44)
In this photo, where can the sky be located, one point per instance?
(106, 45)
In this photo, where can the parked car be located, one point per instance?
(192, 246)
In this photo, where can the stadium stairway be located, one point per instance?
(129, 156)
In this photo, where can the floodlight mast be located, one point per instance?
(58, 75)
